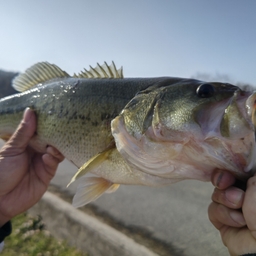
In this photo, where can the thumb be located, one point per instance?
(21, 137)
(249, 207)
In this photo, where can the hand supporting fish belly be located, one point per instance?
(140, 131)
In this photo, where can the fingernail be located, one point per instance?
(217, 179)
(237, 217)
(234, 195)
(52, 150)
(27, 115)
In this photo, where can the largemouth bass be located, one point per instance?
(141, 131)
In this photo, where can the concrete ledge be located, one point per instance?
(83, 231)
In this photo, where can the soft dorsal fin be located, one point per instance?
(101, 71)
(38, 73)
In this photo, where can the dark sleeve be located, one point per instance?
(5, 231)
(249, 254)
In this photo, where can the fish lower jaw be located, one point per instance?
(236, 156)
(193, 158)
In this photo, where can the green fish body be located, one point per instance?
(144, 131)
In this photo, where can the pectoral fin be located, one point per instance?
(5, 137)
(113, 188)
(91, 189)
(91, 164)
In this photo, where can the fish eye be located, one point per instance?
(205, 90)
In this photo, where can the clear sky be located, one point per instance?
(148, 38)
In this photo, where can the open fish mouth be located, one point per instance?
(251, 113)
(240, 121)
(237, 128)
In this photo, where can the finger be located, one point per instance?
(220, 216)
(50, 161)
(249, 207)
(222, 179)
(231, 197)
(239, 241)
(20, 139)
(51, 164)
(55, 153)
(45, 167)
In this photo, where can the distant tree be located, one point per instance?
(6, 83)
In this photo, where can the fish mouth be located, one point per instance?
(250, 105)
(231, 125)
(246, 102)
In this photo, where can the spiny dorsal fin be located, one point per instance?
(38, 73)
(101, 71)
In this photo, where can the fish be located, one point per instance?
(134, 131)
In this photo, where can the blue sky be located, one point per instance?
(148, 38)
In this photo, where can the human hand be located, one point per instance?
(24, 173)
(237, 227)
